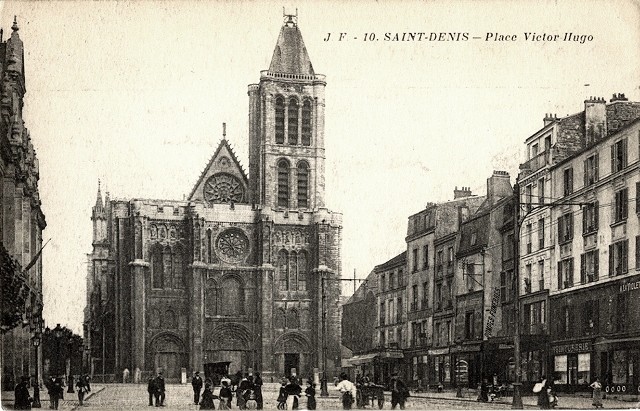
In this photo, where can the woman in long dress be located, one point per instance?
(597, 393)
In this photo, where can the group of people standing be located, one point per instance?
(248, 392)
(290, 392)
(55, 388)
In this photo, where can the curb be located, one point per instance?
(91, 394)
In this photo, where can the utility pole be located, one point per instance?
(517, 384)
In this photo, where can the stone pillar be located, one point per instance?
(139, 268)
(269, 364)
(196, 329)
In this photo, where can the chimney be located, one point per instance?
(595, 119)
(463, 192)
(549, 118)
(618, 97)
(498, 186)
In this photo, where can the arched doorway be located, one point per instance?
(232, 343)
(292, 354)
(169, 356)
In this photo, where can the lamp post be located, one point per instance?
(57, 333)
(36, 385)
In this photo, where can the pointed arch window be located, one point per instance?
(293, 271)
(302, 270)
(279, 320)
(178, 269)
(168, 266)
(292, 111)
(210, 299)
(157, 268)
(233, 297)
(279, 120)
(303, 184)
(283, 183)
(283, 270)
(306, 123)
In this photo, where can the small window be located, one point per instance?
(293, 121)
(618, 155)
(621, 210)
(279, 120)
(306, 123)
(568, 181)
(283, 184)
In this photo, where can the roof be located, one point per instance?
(290, 55)
(397, 260)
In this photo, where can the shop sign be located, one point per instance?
(629, 286)
(571, 348)
(621, 389)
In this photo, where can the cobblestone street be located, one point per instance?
(134, 397)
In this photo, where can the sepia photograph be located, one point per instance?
(320, 205)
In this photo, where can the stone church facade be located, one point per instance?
(247, 268)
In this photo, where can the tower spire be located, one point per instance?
(224, 131)
(15, 27)
(99, 204)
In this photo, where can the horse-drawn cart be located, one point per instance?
(367, 394)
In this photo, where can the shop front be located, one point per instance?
(440, 368)
(417, 370)
(572, 365)
(620, 361)
(468, 365)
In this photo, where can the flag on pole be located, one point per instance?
(36, 257)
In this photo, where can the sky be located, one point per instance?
(135, 94)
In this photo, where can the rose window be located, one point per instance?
(223, 188)
(232, 245)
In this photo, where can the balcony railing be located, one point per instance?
(536, 163)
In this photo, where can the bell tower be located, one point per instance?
(286, 128)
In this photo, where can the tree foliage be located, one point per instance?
(14, 291)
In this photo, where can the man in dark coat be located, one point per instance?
(22, 399)
(257, 384)
(160, 394)
(196, 383)
(398, 392)
(151, 389)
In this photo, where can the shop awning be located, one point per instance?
(362, 359)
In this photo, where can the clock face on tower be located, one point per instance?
(223, 188)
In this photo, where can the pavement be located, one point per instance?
(179, 397)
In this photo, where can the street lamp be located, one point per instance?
(36, 386)
(57, 333)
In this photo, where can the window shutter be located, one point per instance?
(625, 203)
(560, 229)
(560, 275)
(638, 251)
(638, 197)
(596, 264)
(611, 272)
(570, 275)
(570, 227)
(624, 152)
(596, 207)
(583, 276)
(625, 256)
(586, 172)
(585, 221)
(595, 167)
(613, 158)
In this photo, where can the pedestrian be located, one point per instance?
(243, 385)
(56, 391)
(225, 395)
(293, 393)
(160, 390)
(597, 393)
(125, 376)
(399, 392)
(540, 388)
(348, 390)
(257, 386)
(82, 389)
(70, 380)
(151, 389)
(282, 395)
(22, 399)
(87, 382)
(206, 403)
(483, 395)
(196, 383)
(310, 392)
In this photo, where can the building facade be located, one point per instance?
(21, 220)
(246, 270)
(594, 305)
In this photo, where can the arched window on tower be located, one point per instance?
(303, 184)
(279, 319)
(283, 183)
(157, 268)
(293, 271)
(293, 321)
(302, 270)
(293, 121)
(283, 272)
(280, 120)
(170, 320)
(306, 123)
